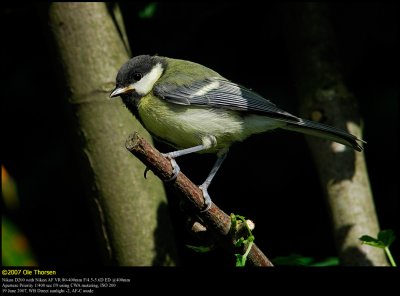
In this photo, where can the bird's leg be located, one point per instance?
(207, 199)
(208, 142)
(172, 155)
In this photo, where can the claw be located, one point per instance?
(145, 172)
(175, 167)
(207, 198)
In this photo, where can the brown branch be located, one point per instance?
(217, 222)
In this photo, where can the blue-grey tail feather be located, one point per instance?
(326, 132)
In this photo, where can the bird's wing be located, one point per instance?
(218, 92)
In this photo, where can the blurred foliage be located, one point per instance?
(9, 190)
(200, 249)
(148, 11)
(15, 249)
(298, 260)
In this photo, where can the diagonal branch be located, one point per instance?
(218, 223)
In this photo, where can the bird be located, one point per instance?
(196, 110)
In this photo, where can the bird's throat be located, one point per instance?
(131, 102)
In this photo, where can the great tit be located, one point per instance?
(195, 109)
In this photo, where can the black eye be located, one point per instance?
(137, 76)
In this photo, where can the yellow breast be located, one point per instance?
(185, 126)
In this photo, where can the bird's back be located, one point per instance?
(185, 72)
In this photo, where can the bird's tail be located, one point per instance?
(326, 132)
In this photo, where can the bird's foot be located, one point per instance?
(207, 198)
(175, 167)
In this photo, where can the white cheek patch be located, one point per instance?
(205, 89)
(145, 85)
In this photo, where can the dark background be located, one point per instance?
(269, 178)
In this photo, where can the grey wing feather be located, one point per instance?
(218, 92)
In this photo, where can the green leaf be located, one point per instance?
(241, 218)
(148, 11)
(387, 237)
(240, 242)
(200, 249)
(368, 240)
(384, 240)
(233, 221)
(240, 260)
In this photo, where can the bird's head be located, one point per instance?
(137, 77)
